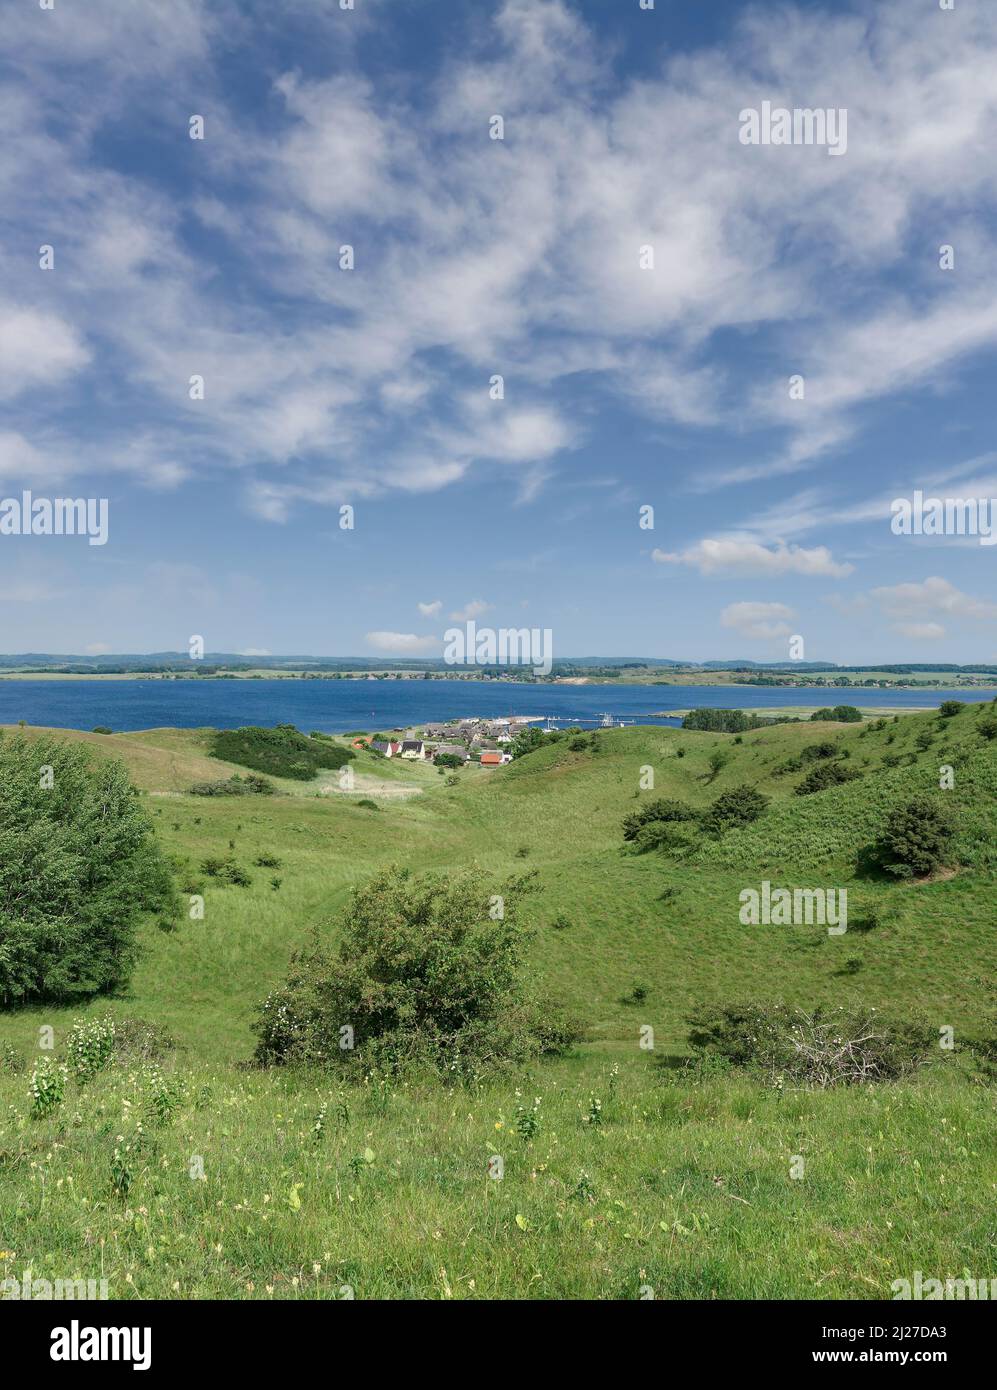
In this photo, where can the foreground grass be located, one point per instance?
(684, 1188)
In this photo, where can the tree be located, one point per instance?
(78, 864)
(917, 838)
(425, 969)
(739, 806)
(528, 741)
(840, 714)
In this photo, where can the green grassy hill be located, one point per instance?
(687, 1181)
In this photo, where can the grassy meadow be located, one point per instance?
(201, 1177)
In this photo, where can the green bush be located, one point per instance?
(78, 865)
(138, 1040)
(987, 728)
(661, 809)
(917, 838)
(281, 752)
(226, 870)
(422, 972)
(447, 760)
(824, 775)
(948, 708)
(816, 1047)
(739, 806)
(661, 834)
(250, 785)
(815, 752)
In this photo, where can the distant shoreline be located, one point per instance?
(719, 680)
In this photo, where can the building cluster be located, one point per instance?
(471, 740)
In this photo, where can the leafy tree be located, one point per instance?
(78, 864)
(447, 760)
(988, 728)
(739, 806)
(423, 971)
(528, 741)
(917, 838)
(840, 714)
(948, 708)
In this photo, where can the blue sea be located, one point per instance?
(337, 706)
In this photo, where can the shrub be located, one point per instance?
(421, 972)
(814, 752)
(226, 870)
(818, 1047)
(717, 762)
(660, 834)
(661, 809)
(11, 1061)
(948, 708)
(739, 806)
(102, 729)
(917, 838)
(282, 751)
(367, 804)
(267, 861)
(447, 760)
(825, 775)
(987, 728)
(78, 865)
(252, 785)
(840, 714)
(136, 1039)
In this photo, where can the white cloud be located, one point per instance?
(760, 621)
(910, 602)
(400, 643)
(474, 609)
(430, 610)
(36, 348)
(518, 255)
(749, 557)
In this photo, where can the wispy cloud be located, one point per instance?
(748, 557)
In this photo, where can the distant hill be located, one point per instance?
(126, 662)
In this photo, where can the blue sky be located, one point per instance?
(624, 387)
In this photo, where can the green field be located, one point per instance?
(683, 1183)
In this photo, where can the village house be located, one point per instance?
(413, 748)
(388, 750)
(495, 759)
